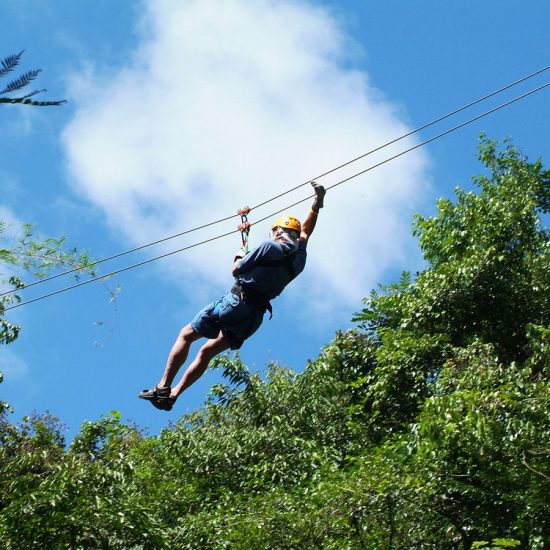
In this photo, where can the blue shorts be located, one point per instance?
(236, 319)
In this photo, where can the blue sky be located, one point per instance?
(179, 113)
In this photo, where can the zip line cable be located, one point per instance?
(408, 134)
(423, 127)
(118, 255)
(108, 275)
(457, 127)
(438, 136)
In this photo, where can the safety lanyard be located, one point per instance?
(244, 227)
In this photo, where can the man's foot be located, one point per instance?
(158, 397)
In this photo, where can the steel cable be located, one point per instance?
(408, 134)
(438, 136)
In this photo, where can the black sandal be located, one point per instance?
(158, 397)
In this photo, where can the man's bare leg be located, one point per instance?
(197, 368)
(178, 355)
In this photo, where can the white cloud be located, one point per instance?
(227, 103)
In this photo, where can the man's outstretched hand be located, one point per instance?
(319, 196)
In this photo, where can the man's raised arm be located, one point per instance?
(309, 223)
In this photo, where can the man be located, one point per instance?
(260, 276)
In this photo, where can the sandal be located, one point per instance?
(159, 398)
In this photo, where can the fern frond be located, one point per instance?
(33, 93)
(7, 65)
(10, 62)
(21, 82)
(45, 103)
(26, 101)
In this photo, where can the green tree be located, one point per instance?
(92, 495)
(488, 279)
(425, 427)
(482, 442)
(461, 357)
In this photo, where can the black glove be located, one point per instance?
(319, 196)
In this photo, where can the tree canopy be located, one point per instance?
(426, 426)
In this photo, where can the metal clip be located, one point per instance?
(244, 226)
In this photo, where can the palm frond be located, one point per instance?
(21, 82)
(9, 63)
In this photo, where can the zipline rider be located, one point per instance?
(260, 276)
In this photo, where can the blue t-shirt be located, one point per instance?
(270, 280)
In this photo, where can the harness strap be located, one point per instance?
(256, 298)
(253, 297)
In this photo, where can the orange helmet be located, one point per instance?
(288, 222)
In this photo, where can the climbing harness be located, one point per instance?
(253, 297)
(249, 295)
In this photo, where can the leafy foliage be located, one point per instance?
(38, 258)
(425, 427)
(7, 65)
